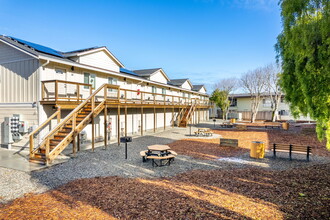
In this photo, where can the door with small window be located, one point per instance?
(112, 92)
(61, 74)
(90, 79)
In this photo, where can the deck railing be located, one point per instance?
(59, 90)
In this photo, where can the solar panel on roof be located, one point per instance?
(122, 70)
(39, 48)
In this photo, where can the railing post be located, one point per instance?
(105, 92)
(90, 90)
(58, 115)
(125, 96)
(118, 93)
(31, 145)
(56, 90)
(78, 92)
(74, 122)
(47, 151)
(93, 104)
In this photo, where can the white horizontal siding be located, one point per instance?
(186, 85)
(158, 77)
(99, 59)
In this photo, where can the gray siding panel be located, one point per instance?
(9, 54)
(19, 81)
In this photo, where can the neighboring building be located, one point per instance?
(36, 81)
(241, 103)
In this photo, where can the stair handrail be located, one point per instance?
(73, 112)
(180, 114)
(74, 128)
(31, 135)
(192, 109)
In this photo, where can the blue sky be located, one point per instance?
(204, 40)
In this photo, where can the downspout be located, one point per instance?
(40, 108)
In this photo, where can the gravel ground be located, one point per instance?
(111, 162)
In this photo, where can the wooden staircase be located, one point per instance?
(66, 130)
(187, 114)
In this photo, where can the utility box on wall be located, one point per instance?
(14, 129)
(7, 134)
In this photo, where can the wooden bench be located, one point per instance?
(241, 127)
(208, 133)
(161, 159)
(272, 127)
(228, 142)
(292, 148)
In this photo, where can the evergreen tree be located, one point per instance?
(303, 49)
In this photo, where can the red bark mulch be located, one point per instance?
(248, 193)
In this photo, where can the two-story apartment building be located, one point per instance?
(59, 95)
(241, 107)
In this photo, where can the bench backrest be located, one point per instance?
(228, 142)
(299, 148)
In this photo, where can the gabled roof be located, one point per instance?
(81, 50)
(36, 50)
(198, 87)
(179, 82)
(150, 72)
(87, 51)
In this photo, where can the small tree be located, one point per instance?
(272, 73)
(220, 99)
(225, 87)
(254, 83)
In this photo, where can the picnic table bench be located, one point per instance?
(226, 125)
(161, 159)
(203, 132)
(292, 149)
(167, 155)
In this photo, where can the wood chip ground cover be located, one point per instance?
(210, 149)
(248, 193)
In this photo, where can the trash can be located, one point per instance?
(257, 149)
(285, 125)
(233, 120)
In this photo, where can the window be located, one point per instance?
(233, 102)
(266, 103)
(163, 91)
(153, 89)
(183, 95)
(60, 70)
(189, 95)
(89, 79)
(282, 99)
(283, 112)
(112, 81)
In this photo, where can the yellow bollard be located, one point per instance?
(233, 120)
(285, 126)
(257, 149)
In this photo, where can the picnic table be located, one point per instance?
(159, 147)
(164, 154)
(204, 132)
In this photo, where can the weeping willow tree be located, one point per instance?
(303, 49)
